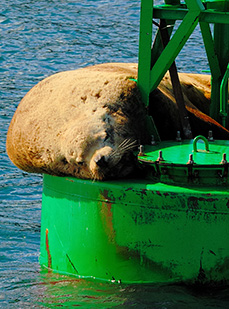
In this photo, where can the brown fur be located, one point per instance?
(79, 123)
(196, 90)
(86, 122)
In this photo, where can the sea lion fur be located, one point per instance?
(79, 123)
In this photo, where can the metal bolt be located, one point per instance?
(224, 160)
(141, 150)
(178, 138)
(210, 136)
(164, 171)
(160, 158)
(152, 140)
(190, 161)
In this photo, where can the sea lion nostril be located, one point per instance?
(97, 158)
(100, 160)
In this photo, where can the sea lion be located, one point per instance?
(81, 123)
(86, 123)
(196, 90)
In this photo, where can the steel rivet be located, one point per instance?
(224, 160)
(190, 161)
(178, 138)
(141, 150)
(160, 158)
(152, 140)
(210, 136)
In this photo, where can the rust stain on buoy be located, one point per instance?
(47, 249)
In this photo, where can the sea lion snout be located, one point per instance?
(99, 162)
(110, 163)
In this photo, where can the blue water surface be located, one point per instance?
(39, 38)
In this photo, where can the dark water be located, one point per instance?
(39, 38)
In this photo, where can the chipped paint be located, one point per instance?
(107, 216)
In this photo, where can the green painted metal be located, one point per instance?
(175, 45)
(204, 152)
(224, 98)
(221, 45)
(220, 5)
(217, 47)
(196, 139)
(145, 41)
(157, 44)
(188, 162)
(210, 50)
(135, 231)
(208, 16)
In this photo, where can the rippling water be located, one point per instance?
(39, 38)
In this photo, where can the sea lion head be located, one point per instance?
(83, 123)
(103, 154)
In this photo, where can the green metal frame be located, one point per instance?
(155, 61)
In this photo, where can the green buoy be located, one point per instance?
(172, 226)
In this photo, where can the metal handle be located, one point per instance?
(196, 139)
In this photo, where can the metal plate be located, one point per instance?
(188, 162)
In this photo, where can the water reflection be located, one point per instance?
(55, 290)
(59, 290)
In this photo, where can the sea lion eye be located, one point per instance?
(109, 134)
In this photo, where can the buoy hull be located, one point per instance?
(135, 231)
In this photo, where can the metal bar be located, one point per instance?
(144, 62)
(145, 42)
(221, 45)
(208, 16)
(221, 40)
(224, 97)
(195, 5)
(176, 85)
(157, 44)
(209, 47)
(173, 48)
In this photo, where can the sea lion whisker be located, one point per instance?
(127, 147)
(117, 152)
(113, 153)
(119, 148)
(124, 142)
(130, 143)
